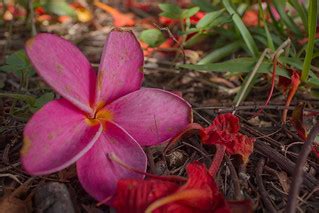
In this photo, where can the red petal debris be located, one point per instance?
(136, 195)
(119, 19)
(297, 121)
(199, 194)
(294, 84)
(224, 130)
(222, 127)
(193, 19)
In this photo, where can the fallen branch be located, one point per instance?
(298, 171)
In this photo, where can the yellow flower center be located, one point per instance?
(100, 117)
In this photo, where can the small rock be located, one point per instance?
(53, 198)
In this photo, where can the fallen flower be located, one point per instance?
(119, 19)
(224, 130)
(224, 133)
(199, 194)
(97, 114)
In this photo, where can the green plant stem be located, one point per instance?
(312, 24)
(245, 87)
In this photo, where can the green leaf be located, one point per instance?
(17, 63)
(197, 38)
(280, 6)
(239, 65)
(189, 31)
(209, 18)
(312, 24)
(203, 5)
(313, 82)
(187, 13)
(220, 53)
(152, 37)
(170, 11)
(60, 8)
(242, 29)
(9, 68)
(18, 58)
(296, 63)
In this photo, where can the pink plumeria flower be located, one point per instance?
(107, 113)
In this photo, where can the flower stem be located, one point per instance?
(217, 160)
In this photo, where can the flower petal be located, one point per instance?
(151, 116)
(139, 194)
(64, 68)
(98, 174)
(121, 68)
(55, 137)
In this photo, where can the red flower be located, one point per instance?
(221, 129)
(224, 130)
(250, 18)
(198, 194)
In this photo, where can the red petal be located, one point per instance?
(199, 178)
(241, 145)
(119, 19)
(224, 130)
(221, 128)
(284, 83)
(199, 194)
(136, 195)
(297, 121)
(295, 81)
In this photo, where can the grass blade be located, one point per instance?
(249, 80)
(312, 24)
(300, 10)
(239, 65)
(280, 7)
(220, 53)
(242, 29)
(270, 43)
